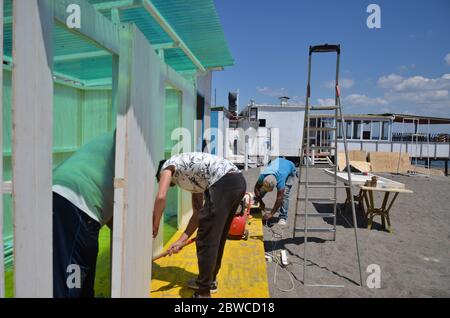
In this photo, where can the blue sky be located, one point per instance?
(402, 67)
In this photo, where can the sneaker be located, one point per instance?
(192, 283)
(282, 222)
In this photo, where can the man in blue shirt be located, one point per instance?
(279, 173)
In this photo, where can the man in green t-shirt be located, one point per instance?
(83, 198)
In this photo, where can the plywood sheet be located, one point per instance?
(393, 162)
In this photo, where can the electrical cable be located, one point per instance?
(278, 264)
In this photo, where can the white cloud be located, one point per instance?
(400, 84)
(344, 83)
(447, 59)
(390, 80)
(272, 92)
(364, 100)
(421, 93)
(326, 101)
(420, 97)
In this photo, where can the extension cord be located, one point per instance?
(284, 258)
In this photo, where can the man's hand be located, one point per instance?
(175, 248)
(267, 216)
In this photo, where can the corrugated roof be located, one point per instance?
(195, 21)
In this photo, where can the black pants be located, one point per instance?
(75, 249)
(221, 202)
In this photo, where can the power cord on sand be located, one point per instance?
(278, 263)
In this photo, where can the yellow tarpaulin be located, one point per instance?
(243, 273)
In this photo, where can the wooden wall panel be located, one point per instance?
(32, 114)
(2, 267)
(140, 146)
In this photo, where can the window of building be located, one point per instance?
(262, 123)
(367, 130)
(348, 129)
(376, 127)
(376, 130)
(385, 131)
(357, 129)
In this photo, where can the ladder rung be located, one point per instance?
(319, 165)
(317, 183)
(322, 200)
(315, 230)
(317, 215)
(324, 107)
(328, 187)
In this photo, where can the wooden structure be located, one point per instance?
(135, 73)
(370, 184)
(367, 196)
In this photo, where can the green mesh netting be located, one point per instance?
(78, 116)
(172, 122)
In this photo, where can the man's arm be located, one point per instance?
(197, 205)
(258, 196)
(277, 205)
(161, 197)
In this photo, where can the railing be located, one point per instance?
(420, 137)
(434, 150)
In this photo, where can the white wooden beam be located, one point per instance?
(151, 8)
(32, 105)
(2, 261)
(122, 4)
(80, 56)
(166, 46)
(138, 149)
(94, 26)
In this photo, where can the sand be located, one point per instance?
(414, 259)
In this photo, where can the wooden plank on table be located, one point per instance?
(32, 115)
(397, 190)
(2, 264)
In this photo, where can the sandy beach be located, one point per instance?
(414, 259)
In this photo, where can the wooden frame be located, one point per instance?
(2, 260)
(32, 133)
(138, 89)
(139, 148)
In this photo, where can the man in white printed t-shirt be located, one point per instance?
(217, 188)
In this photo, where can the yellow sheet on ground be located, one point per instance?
(243, 273)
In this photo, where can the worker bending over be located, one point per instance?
(279, 173)
(217, 188)
(83, 197)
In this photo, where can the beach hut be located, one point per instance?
(74, 69)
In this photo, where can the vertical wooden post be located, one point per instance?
(32, 114)
(2, 267)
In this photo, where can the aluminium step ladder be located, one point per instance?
(307, 161)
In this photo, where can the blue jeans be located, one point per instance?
(75, 242)
(284, 209)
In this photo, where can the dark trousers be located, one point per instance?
(221, 202)
(75, 249)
